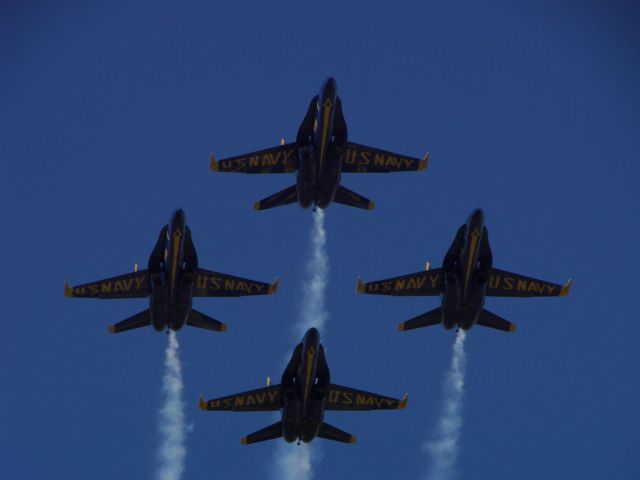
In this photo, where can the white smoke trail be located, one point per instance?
(295, 462)
(314, 313)
(173, 428)
(443, 447)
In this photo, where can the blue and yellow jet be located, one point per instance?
(467, 276)
(171, 280)
(303, 395)
(320, 154)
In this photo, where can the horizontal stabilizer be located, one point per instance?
(352, 199)
(268, 433)
(434, 317)
(200, 320)
(283, 197)
(491, 320)
(330, 432)
(142, 319)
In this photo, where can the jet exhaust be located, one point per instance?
(443, 446)
(172, 427)
(314, 312)
(295, 462)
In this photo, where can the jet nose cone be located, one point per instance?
(477, 216)
(179, 217)
(329, 88)
(312, 334)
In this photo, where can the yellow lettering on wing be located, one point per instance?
(139, 282)
(334, 396)
(522, 285)
(494, 281)
(273, 395)
(350, 156)
(347, 398)
(365, 158)
(239, 401)
(508, 283)
(106, 287)
(435, 280)
(551, 288)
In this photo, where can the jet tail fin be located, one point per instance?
(330, 432)
(491, 320)
(353, 199)
(283, 197)
(200, 320)
(268, 433)
(138, 320)
(434, 317)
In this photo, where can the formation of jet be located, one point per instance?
(171, 280)
(320, 154)
(303, 395)
(466, 277)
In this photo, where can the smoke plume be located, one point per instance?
(443, 446)
(173, 429)
(295, 462)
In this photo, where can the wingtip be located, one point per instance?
(112, 329)
(371, 205)
(243, 441)
(401, 327)
(361, 286)
(353, 439)
(424, 162)
(566, 288)
(256, 206)
(512, 327)
(202, 403)
(273, 288)
(403, 403)
(68, 291)
(213, 164)
(223, 327)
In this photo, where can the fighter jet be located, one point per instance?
(320, 154)
(304, 394)
(171, 280)
(467, 276)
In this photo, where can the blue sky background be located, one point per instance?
(531, 110)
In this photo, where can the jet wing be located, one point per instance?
(507, 284)
(345, 398)
(364, 159)
(216, 284)
(130, 285)
(427, 282)
(280, 159)
(258, 400)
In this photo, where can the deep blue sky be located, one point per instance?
(530, 111)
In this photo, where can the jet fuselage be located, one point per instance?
(321, 139)
(466, 271)
(172, 268)
(305, 383)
